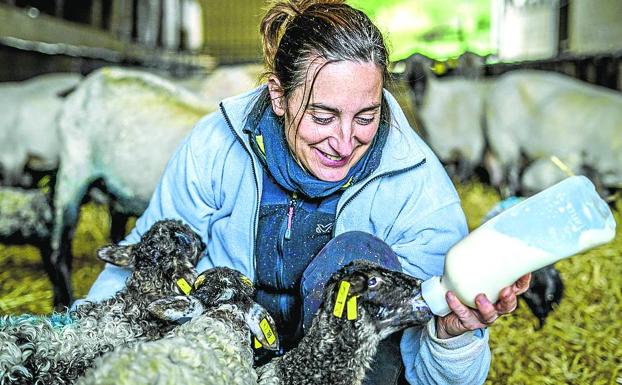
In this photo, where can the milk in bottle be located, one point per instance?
(563, 220)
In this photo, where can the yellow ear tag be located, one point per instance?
(256, 343)
(340, 302)
(351, 308)
(267, 331)
(184, 286)
(247, 281)
(199, 282)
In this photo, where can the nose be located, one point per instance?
(342, 139)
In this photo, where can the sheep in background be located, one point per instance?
(109, 127)
(452, 113)
(42, 350)
(339, 350)
(212, 348)
(534, 115)
(28, 128)
(223, 82)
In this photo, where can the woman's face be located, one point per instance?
(340, 122)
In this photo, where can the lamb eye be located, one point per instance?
(372, 282)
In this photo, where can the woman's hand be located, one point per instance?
(463, 318)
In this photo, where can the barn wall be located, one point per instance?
(595, 26)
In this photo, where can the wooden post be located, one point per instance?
(59, 7)
(148, 22)
(121, 19)
(96, 13)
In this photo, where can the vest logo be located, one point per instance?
(324, 229)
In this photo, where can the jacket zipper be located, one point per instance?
(257, 193)
(390, 173)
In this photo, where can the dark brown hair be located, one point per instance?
(296, 34)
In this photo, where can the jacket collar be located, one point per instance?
(402, 149)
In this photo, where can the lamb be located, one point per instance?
(212, 348)
(41, 350)
(338, 349)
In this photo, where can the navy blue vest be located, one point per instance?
(290, 234)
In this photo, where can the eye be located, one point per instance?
(364, 121)
(322, 121)
(372, 282)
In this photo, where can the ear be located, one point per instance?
(276, 95)
(176, 309)
(117, 255)
(262, 326)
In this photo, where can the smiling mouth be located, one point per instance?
(332, 157)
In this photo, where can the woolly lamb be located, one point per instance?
(42, 351)
(338, 350)
(213, 348)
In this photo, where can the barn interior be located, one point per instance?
(512, 95)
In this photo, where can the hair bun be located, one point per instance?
(278, 16)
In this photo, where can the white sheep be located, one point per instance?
(534, 115)
(119, 127)
(57, 349)
(212, 348)
(28, 125)
(452, 113)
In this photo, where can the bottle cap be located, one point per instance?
(433, 293)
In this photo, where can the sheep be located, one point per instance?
(115, 118)
(338, 349)
(28, 131)
(452, 113)
(212, 348)
(41, 351)
(535, 115)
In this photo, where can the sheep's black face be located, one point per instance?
(545, 291)
(223, 290)
(166, 253)
(223, 285)
(389, 300)
(172, 249)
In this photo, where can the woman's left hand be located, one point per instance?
(463, 318)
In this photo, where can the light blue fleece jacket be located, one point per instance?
(213, 183)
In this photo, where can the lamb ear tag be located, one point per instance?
(245, 280)
(256, 343)
(267, 331)
(342, 295)
(184, 286)
(351, 308)
(199, 281)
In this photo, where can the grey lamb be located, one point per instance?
(338, 350)
(212, 348)
(58, 349)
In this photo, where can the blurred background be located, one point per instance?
(512, 95)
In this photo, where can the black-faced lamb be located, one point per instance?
(40, 350)
(212, 348)
(345, 332)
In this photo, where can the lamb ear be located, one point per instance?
(262, 326)
(117, 255)
(176, 309)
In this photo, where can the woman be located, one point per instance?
(290, 181)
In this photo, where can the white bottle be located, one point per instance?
(563, 220)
